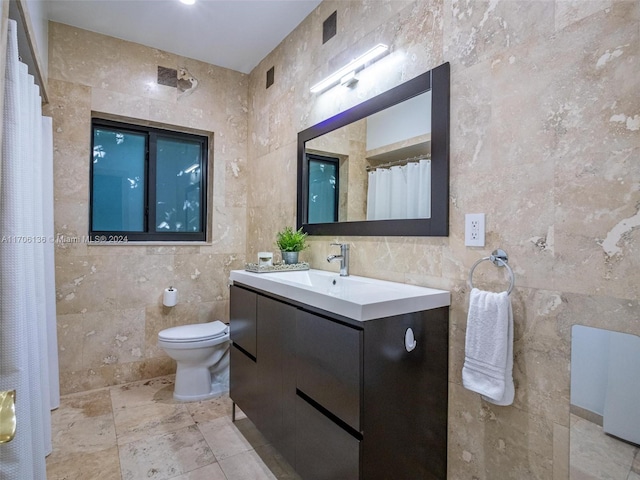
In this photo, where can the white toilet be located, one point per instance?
(202, 354)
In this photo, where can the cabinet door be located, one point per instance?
(243, 382)
(243, 370)
(405, 397)
(329, 365)
(242, 319)
(276, 381)
(324, 451)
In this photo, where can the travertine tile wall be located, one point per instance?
(545, 139)
(109, 298)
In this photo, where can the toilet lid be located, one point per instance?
(195, 332)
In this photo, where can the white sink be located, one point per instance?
(360, 298)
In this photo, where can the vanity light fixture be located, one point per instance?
(346, 75)
(349, 80)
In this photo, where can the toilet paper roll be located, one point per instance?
(170, 297)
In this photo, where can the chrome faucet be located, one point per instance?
(343, 257)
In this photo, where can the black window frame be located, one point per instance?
(151, 134)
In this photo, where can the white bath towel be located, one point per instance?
(488, 363)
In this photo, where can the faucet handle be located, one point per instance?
(344, 258)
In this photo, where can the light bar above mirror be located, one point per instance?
(347, 73)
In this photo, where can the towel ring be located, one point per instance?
(500, 259)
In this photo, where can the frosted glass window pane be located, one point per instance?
(178, 184)
(118, 181)
(323, 188)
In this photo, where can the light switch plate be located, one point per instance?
(474, 230)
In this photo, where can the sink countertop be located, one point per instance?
(359, 298)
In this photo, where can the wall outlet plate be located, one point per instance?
(474, 230)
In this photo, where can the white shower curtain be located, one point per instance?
(400, 192)
(28, 351)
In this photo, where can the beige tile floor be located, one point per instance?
(137, 431)
(597, 456)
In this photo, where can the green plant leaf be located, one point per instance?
(290, 240)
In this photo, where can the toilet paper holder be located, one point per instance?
(170, 297)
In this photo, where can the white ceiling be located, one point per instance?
(235, 34)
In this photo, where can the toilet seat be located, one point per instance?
(198, 332)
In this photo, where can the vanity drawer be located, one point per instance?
(324, 451)
(329, 365)
(243, 382)
(242, 322)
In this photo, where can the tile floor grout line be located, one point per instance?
(196, 414)
(115, 429)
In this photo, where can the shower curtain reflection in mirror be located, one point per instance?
(400, 192)
(605, 405)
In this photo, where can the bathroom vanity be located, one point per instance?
(345, 376)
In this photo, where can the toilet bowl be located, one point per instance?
(201, 352)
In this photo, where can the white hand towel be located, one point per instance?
(488, 363)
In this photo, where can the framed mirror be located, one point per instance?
(605, 404)
(380, 168)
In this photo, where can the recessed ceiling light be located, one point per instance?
(188, 2)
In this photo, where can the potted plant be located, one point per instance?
(291, 242)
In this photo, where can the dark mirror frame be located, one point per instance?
(436, 80)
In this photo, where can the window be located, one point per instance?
(323, 189)
(147, 184)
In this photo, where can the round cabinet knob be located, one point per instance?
(409, 340)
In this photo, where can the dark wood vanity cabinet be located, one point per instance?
(263, 384)
(276, 388)
(342, 399)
